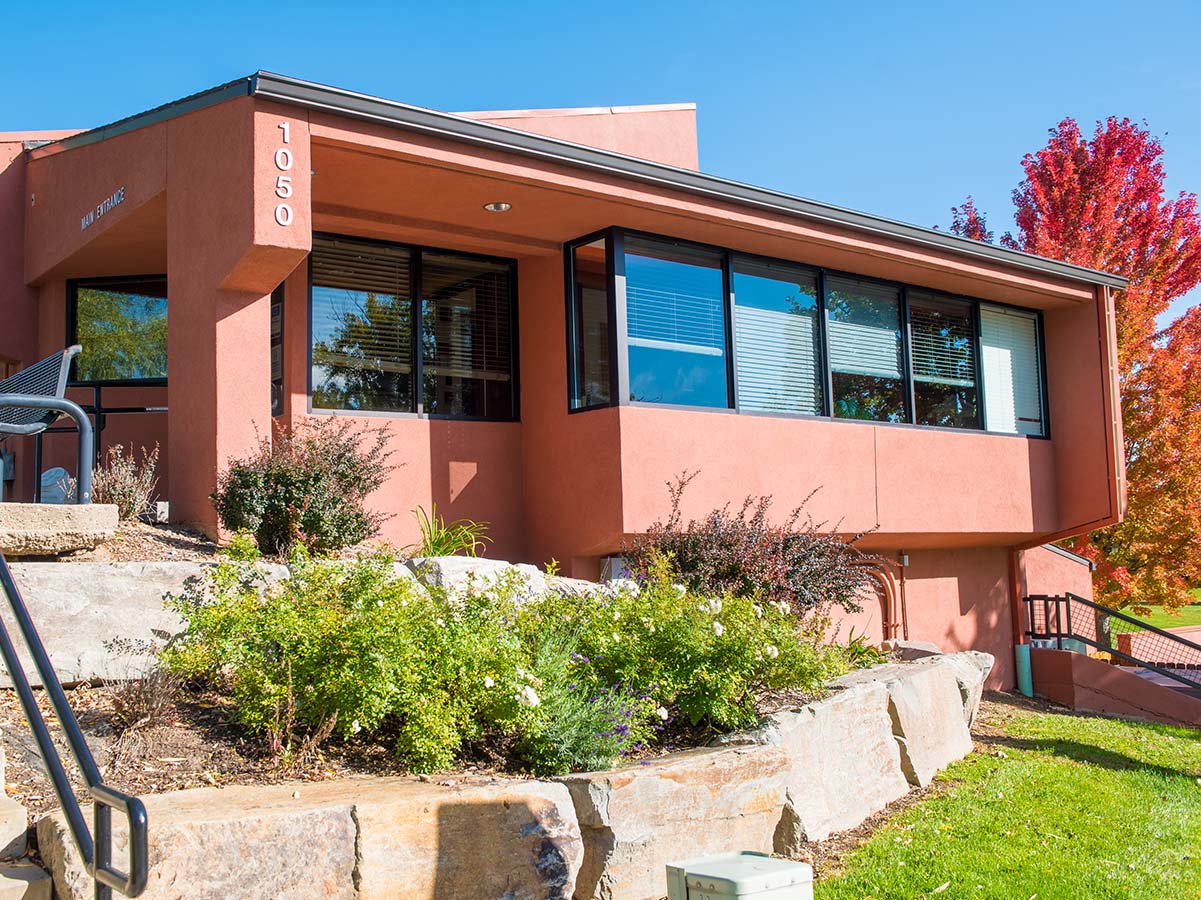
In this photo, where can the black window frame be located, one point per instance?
(614, 237)
(418, 403)
(72, 328)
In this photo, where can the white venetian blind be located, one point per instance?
(864, 328)
(1013, 400)
(776, 338)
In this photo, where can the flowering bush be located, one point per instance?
(744, 554)
(349, 649)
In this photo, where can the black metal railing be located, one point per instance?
(1127, 639)
(97, 851)
(100, 413)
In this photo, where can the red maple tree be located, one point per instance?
(1100, 202)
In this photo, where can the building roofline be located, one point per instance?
(339, 101)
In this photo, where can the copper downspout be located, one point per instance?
(886, 582)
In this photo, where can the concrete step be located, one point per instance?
(24, 881)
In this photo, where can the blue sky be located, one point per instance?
(895, 108)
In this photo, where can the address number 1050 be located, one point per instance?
(283, 181)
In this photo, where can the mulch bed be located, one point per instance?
(145, 542)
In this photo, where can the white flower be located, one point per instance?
(712, 605)
(617, 615)
(719, 629)
(661, 712)
(355, 726)
(616, 638)
(440, 623)
(771, 651)
(379, 603)
(758, 610)
(617, 585)
(527, 696)
(680, 589)
(522, 673)
(488, 682)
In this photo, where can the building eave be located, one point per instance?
(338, 101)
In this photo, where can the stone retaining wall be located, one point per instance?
(597, 836)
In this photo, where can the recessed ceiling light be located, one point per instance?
(498, 206)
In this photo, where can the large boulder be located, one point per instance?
(50, 529)
(927, 714)
(79, 608)
(844, 763)
(971, 668)
(461, 573)
(636, 820)
(363, 838)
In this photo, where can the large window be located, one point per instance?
(943, 338)
(866, 355)
(777, 337)
(676, 324)
(373, 305)
(657, 320)
(121, 323)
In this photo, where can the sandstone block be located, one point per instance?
(927, 715)
(909, 651)
(362, 838)
(637, 819)
(517, 839)
(971, 668)
(458, 573)
(14, 828)
(79, 607)
(844, 763)
(49, 529)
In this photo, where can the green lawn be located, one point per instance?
(1052, 806)
(1189, 615)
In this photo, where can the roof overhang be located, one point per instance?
(294, 91)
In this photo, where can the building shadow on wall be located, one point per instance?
(505, 850)
(476, 473)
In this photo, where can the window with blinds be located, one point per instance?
(368, 316)
(943, 353)
(466, 337)
(676, 323)
(1013, 395)
(866, 362)
(361, 326)
(777, 341)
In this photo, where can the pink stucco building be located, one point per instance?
(552, 313)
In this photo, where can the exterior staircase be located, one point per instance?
(1089, 656)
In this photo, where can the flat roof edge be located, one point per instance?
(364, 106)
(296, 91)
(567, 112)
(1074, 557)
(241, 87)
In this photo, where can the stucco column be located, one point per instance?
(238, 223)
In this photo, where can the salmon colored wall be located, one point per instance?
(221, 170)
(1075, 358)
(939, 487)
(572, 463)
(1044, 571)
(665, 134)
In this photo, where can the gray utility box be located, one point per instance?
(745, 874)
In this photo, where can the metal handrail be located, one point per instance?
(83, 493)
(96, 852)
(1060, 634)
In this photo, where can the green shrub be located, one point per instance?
(125, 482)
(462, 537)
(744, 554)
(707, 659)
(306, 486)
(346, 648)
